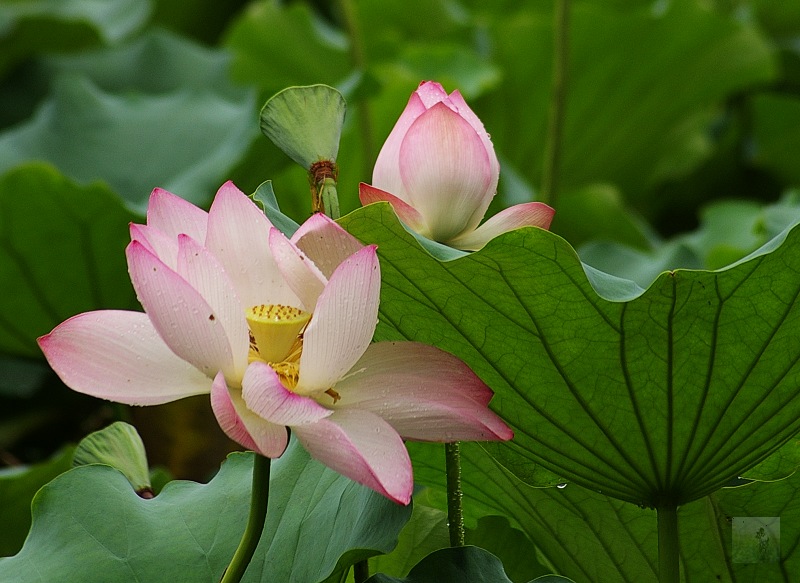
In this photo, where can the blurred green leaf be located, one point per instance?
(155, 62)
(61, 253)
(182, 141)
(38, 26)
(598, 212)
(642, 86)
(276, 46)
(660, 398)
(729, 231)
(776, 121)
(17, 488)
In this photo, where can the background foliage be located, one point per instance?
(680, 149)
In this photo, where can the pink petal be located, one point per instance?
(325, 242)
(363, 447)
(386, 172)
(119, 356)
(155, 241)
(405, 212)
(424, 393)
(464, 111)
(343, 323)
(266, 396)
(446, 171)
(529, 214)
(299, 272)
(174, 216)
(431, 93)
(179, 312)
(238, 234)
(200, 268)
(242, 425)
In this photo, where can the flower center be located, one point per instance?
(276, 338)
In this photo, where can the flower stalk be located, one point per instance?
(255, 522)
(555, 128)
(455, 510)
(668, 549)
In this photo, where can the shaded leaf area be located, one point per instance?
(625, 122)
(32, 26)
(90, 523)
(452, 565)
(139, 130)
(427, 532)
(590, 537)
(656, 399)
(728, 231)
(776, 141)
(18, 485)
(61, 253)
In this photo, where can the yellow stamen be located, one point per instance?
(334, 395)
(274, 331)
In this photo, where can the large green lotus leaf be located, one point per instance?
(656, 398)
(36, 26)
(777, 142)
(183, 141)
(642, 83)
(61, 253)
(90, 523)
(17, 488)
(590, 537)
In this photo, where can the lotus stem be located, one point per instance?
(255, 522)
(455, 510)
(555, 128)
(668, 548)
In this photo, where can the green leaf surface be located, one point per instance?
(183, 141)
(17, 488)
(320, 523)
(61, 253)
(36, 26)
(658, 399)
(90, 523)
(453, 565)
(425, 532)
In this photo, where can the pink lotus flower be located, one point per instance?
(439, 172)
(278, 332)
